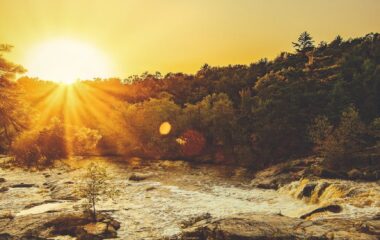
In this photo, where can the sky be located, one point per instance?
(180, 35)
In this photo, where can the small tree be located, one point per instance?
(96, 186)
(319, 130)
(339, 145)
(304, 43)
(13, 111)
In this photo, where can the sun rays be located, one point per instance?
(78, 104)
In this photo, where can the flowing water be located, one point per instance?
(174, 192)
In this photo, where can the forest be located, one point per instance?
(321, 99)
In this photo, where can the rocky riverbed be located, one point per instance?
(176, 200)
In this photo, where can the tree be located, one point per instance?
(142, 121)
(12, 114)
(341, 144)
(40, 146)
(319, 130)
(96, 186)
(304, 43)
(84, 140)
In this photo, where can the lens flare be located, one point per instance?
(165, 128)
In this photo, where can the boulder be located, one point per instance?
(284, 173)
(51, 225)
(99, 230)
(191, 221)
(355, 174)
(323, 172)
(258, 226)
(2, 180)
(371, 227)
(23, 185)
(140, 176)
(3, 189)
(307, 190)
(115, 224)
(330, 208)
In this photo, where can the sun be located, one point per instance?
(66, 60)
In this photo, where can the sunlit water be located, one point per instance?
(156, 207)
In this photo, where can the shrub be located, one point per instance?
(26, 150)
(340, 145)
(96, 186)
(84, 140)
(319, 130)
(192, 143)
(42, 146)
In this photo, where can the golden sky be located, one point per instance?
(181, 35)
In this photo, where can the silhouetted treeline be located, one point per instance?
(254, 115)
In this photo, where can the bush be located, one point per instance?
(41, 147)
(26, 150)
(84, 140)
(340, 145)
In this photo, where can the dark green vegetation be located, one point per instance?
(323, 99)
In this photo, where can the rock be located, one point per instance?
(25, 227)
(95, 228)
(39, 203)
(60, 191)
(191, 221)
(50, 225)
(284, 173)
(7, 215)
(331, 208)
(322, 188)
(328, 173)
(100, 229)
(242, 226)
(3, 189)
(140, 176)
(23, 185)
(371, 175)
(5, 236)
(269, 185)
(115, 224)
(2, 180)
(354, 174)
(150, 188)
(307, 190)
(371, 227)
(257, 226)
(173, 164)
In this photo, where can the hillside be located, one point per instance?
(253, 115)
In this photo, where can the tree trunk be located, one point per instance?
(93, 210)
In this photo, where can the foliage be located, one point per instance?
(192, 143)
(12, 109)
(256, 114)
(96, 186)
(319, 131)
(26, 150)
(142, 121)
(84, 140)
(339, 145)
(41, 146)
(304, 43)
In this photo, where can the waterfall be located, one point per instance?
(324, 192)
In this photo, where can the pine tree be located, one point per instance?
(304, 43)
